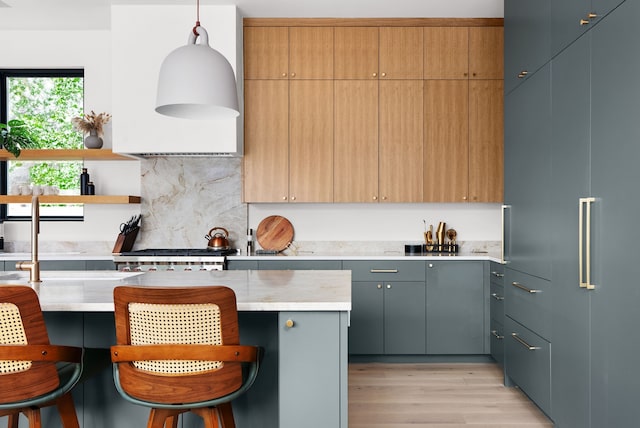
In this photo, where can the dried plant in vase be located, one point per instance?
(92, 124)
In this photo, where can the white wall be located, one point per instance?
(90, 50)
(383, 222)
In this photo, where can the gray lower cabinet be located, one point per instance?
(456, 320)
(496, 305)
(388, 314)
(528, 358)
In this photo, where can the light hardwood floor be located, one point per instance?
(435, 395)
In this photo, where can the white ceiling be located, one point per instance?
(94, 14)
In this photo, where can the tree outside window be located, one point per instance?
(46, 101)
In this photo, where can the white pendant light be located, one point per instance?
(196, 81)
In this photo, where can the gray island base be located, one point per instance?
(300, 318)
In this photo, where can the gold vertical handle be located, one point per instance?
(584, 243)
(584, 22)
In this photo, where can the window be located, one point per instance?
(46, 101)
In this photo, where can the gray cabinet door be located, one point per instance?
(615, 177)
(571, 179)
(527, 155)
(404, 317)
(456, 322)
(527, 39)
(367, 318)
(312, 352)
(571, 18)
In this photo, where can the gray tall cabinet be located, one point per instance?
(592, 119)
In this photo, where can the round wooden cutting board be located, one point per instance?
(274, 233)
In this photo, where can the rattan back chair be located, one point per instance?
(33, 373)
(178, 350)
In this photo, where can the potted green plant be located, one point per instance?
(14, 136)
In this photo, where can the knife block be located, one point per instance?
(124, 242)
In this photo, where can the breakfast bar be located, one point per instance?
(300, 318)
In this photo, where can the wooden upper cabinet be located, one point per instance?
(356, 52)
(446, 53)
(401, 53)
(266, 52)
(311, 53)
(266, 142)
(486, 135)
(311, 141)
(486, 53)
(401, 141)
(446, 148)
(356, 141)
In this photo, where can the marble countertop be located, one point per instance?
(387, 255)
(256, 290)
(56, 256)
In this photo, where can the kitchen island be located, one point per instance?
(300, 318)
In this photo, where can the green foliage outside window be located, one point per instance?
(46, 105)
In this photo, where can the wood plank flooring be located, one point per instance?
(437, 395)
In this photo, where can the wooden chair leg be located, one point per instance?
(13, 420)
(226, 415)
(171, 422)
(67, 411)
(158, 417)
(33, 415)
(209, 415)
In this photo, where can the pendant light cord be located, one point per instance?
(197, 18)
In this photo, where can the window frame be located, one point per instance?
(6, 73)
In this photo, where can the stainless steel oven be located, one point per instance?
(172, 259)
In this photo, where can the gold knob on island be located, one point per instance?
(289, 323)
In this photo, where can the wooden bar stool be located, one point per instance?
(178, 351)
(33, 373)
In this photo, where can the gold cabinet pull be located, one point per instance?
(379, 286)
(592, 15)
(284, 74)
(584, 21)
(524, 343)
(293, 74)
(584, 243)
(523, 288)
(289, 323)
(284, 198)
(384, 74)
(522, 74)
(497, 274)
(375, 198)
(375, 74)
(496, 335)
(497, 296)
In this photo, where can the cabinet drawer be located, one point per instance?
(497, 342)
(528, 300)
(386, 270)
(289, 264)
(496, 300)
(528, 358)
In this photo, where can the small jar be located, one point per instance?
(91, 188)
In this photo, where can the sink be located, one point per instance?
(71, 275)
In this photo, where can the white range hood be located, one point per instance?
(142, 36)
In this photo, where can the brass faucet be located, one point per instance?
(33, 266)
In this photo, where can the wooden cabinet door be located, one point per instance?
(311, 141)
(486, 53)
(446, 52)
(446, 128)
(486, 141)
(401, 140)
(311, 53)
(401, 53)
(266, 141)
(356, 53)
(356, 141)
(266, 52)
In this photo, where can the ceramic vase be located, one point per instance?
(93, 141)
